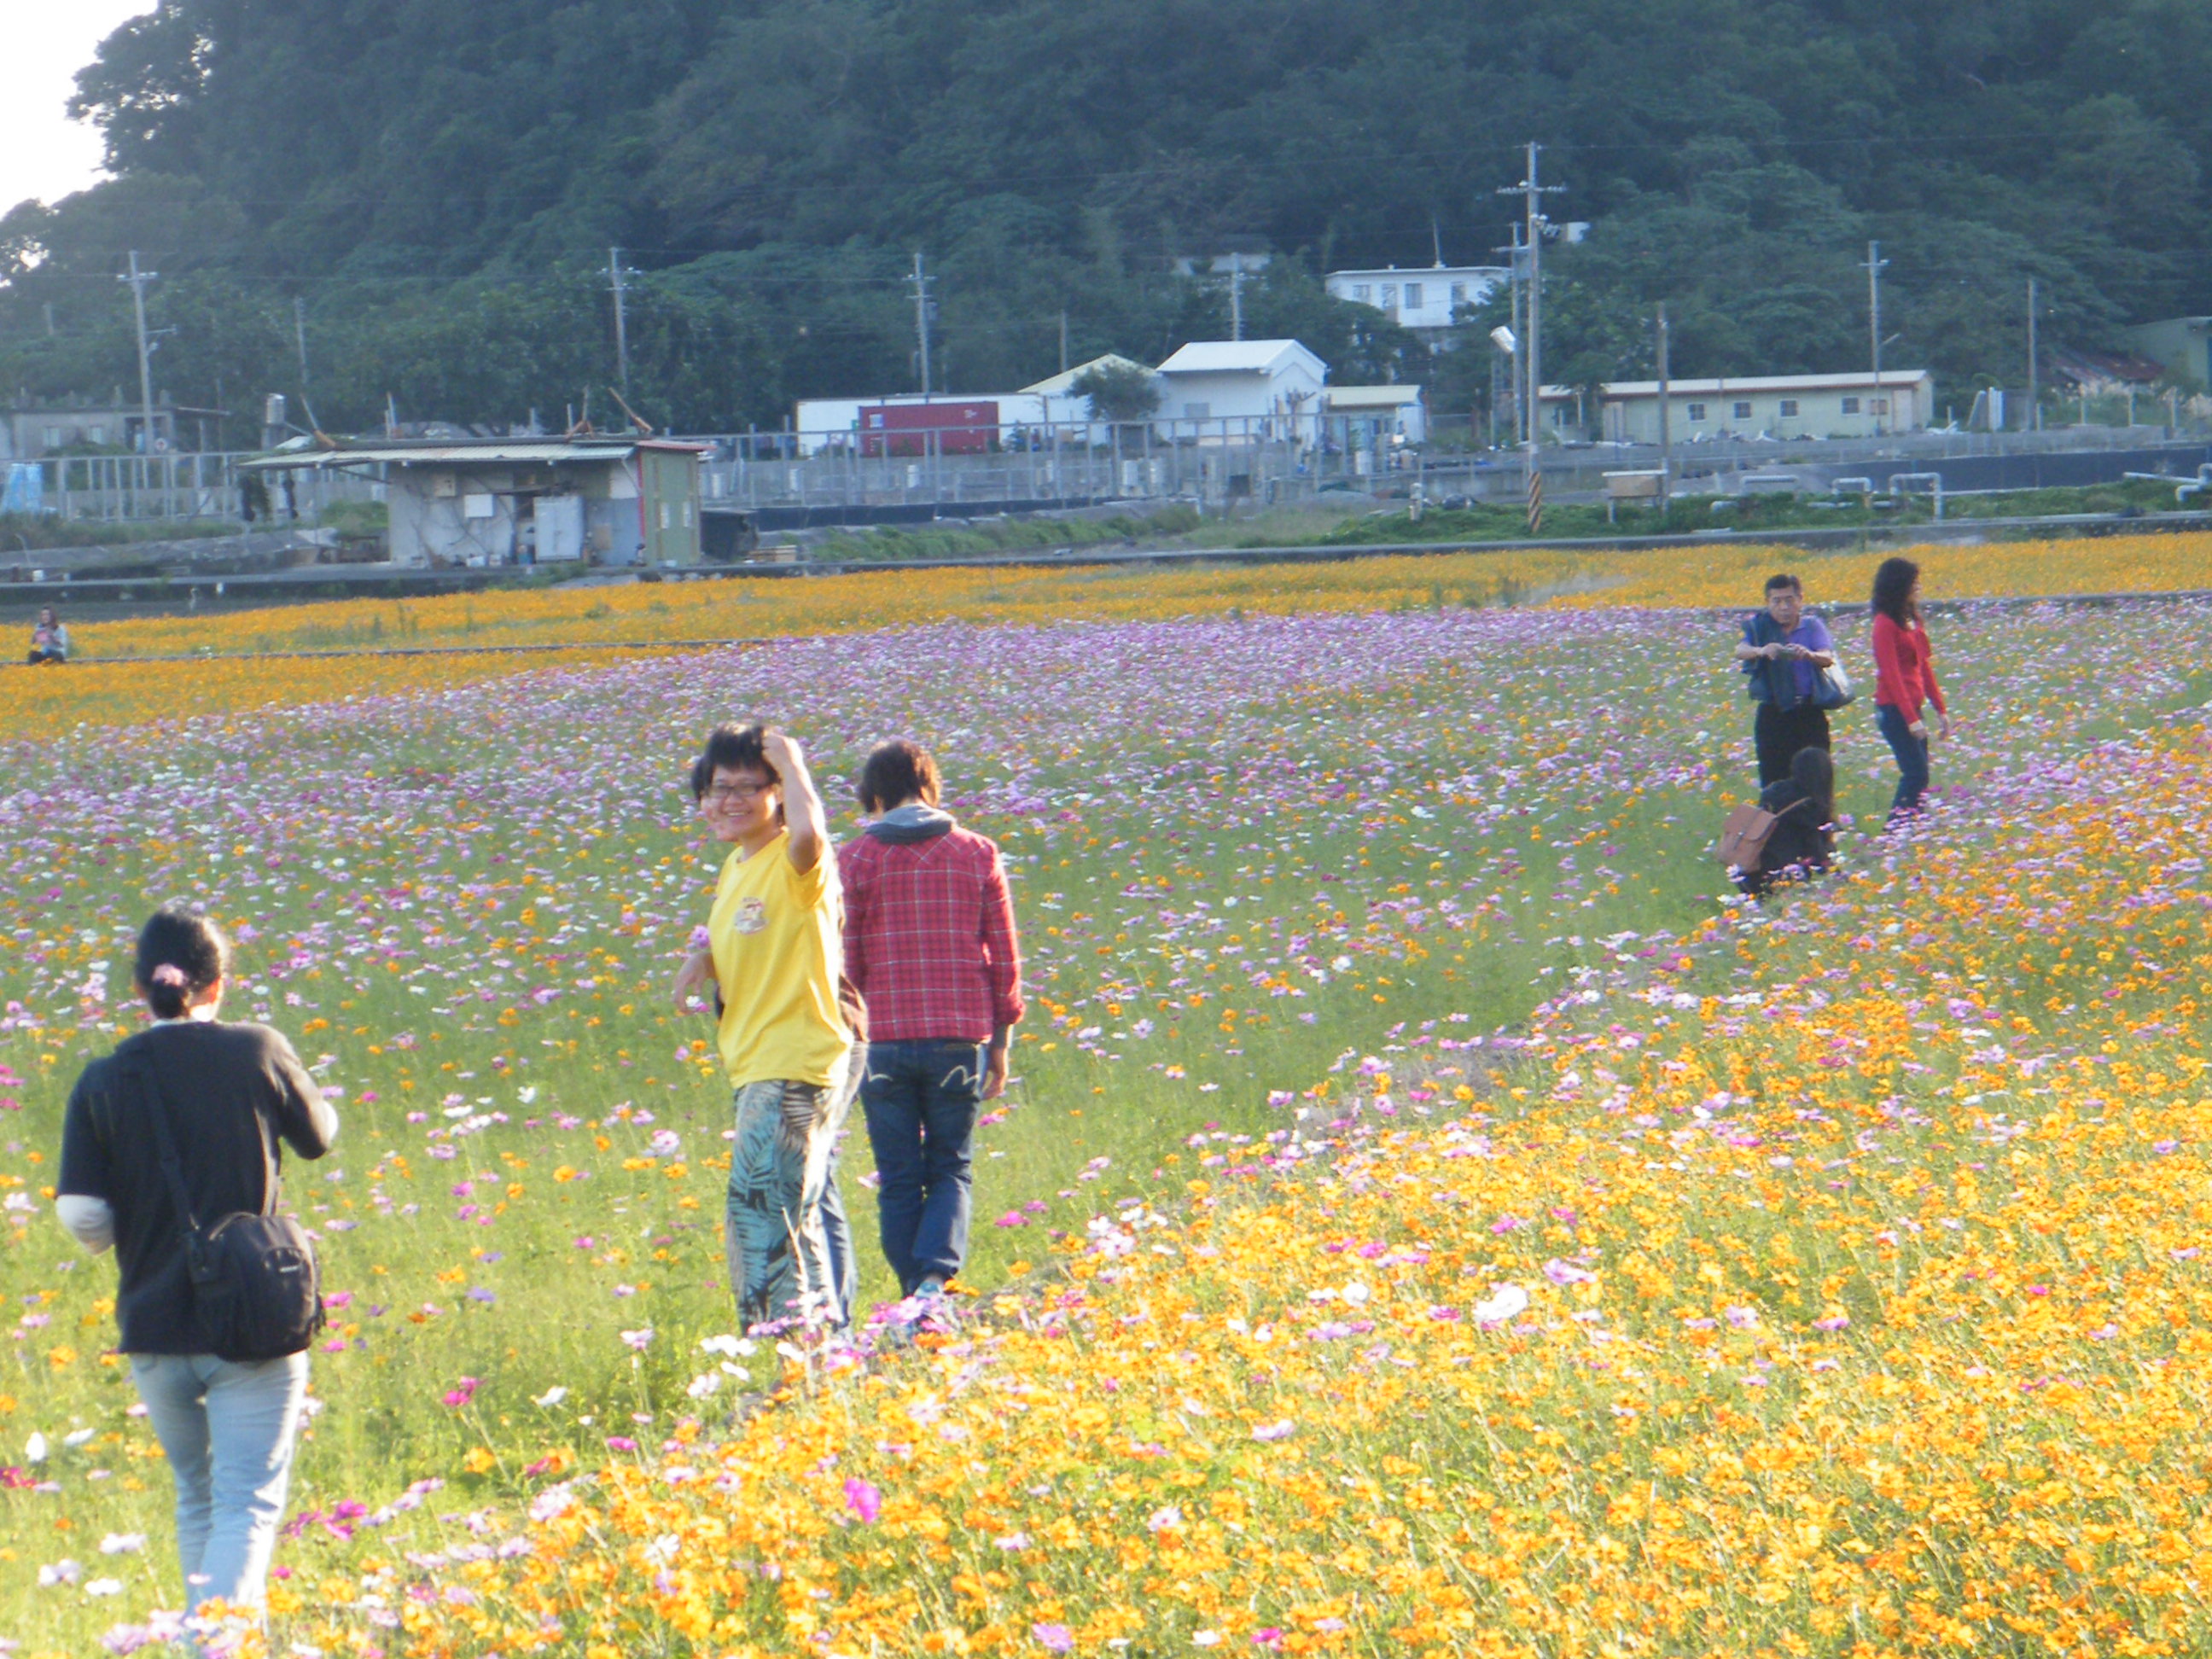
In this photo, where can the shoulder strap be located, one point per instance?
(157, 1113)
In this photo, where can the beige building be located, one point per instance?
(1778, 406)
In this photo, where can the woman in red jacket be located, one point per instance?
(1904, 680)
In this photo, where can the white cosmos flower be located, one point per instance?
(1506, 1302)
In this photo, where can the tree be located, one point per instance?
(1118, 391)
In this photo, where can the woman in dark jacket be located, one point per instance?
(229, 1092)
(1803, 837)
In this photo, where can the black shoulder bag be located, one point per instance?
(255, 1286)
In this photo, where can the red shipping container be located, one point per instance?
(949, 428)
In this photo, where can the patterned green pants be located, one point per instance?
(790, 1249)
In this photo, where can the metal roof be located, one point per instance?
(1372, 397)
(1237, 356)
(497, 451)
(1751, 383)
(1057, 386)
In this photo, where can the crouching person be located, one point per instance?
(773, 960)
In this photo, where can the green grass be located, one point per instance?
(1268, 817)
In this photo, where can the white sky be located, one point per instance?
(42, 152)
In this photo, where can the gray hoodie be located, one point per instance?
(913, 822)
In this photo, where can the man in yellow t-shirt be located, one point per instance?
(773, 955)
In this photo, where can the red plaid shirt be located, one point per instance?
(929, 937)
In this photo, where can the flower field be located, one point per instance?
(1426, 1219)
(603, 623)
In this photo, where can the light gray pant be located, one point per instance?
(228, 1429)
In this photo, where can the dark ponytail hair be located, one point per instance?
(1814, 771)
(1893, 591)
(180, 954)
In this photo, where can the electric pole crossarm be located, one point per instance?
(1532, 191)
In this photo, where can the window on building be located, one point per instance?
(1696, 412)
(54, 439)
(1789, 406)
(1877, 405)
(1412, 296)
(1390, 294)
(1740, 411)
(1851, 405)
(1459, 293)
(98, 434)
(1558, 414)
(1362, 293)
(1197, 411)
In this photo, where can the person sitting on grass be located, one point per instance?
(49, 639)
(773, 959)
(1803, 838)
(930, 942)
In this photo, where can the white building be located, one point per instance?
(1241, 388)
(1424, 299)
(1777, 406)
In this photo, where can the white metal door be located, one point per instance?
(560, 528)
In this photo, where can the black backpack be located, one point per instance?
(255, 1286)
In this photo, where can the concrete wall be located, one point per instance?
(1240, 395)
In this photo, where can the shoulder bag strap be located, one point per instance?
(157, 1113)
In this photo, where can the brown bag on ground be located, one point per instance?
(1744, 837)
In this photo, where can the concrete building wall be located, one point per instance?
(1239, 395)
(1417, 298)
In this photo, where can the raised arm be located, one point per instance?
(803, 813)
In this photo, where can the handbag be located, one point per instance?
(256, 1288)
(1832, 686)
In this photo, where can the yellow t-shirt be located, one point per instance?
(777, 939)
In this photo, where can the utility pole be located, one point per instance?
(1512, 251)
(1666, 442)
(1235, 296)
(616, 280)
(138, 279)
(921, 316)
(1063, 339)
(1875, 263)
(2034, 403)
(1532, 193)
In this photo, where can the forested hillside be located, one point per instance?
(438, 182)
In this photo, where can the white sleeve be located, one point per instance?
(90, 1221)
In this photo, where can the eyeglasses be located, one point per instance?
(736, 794)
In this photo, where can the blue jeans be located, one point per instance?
(789, 1246)
(920, 1099)
(228, 1429)
(1911, 754)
